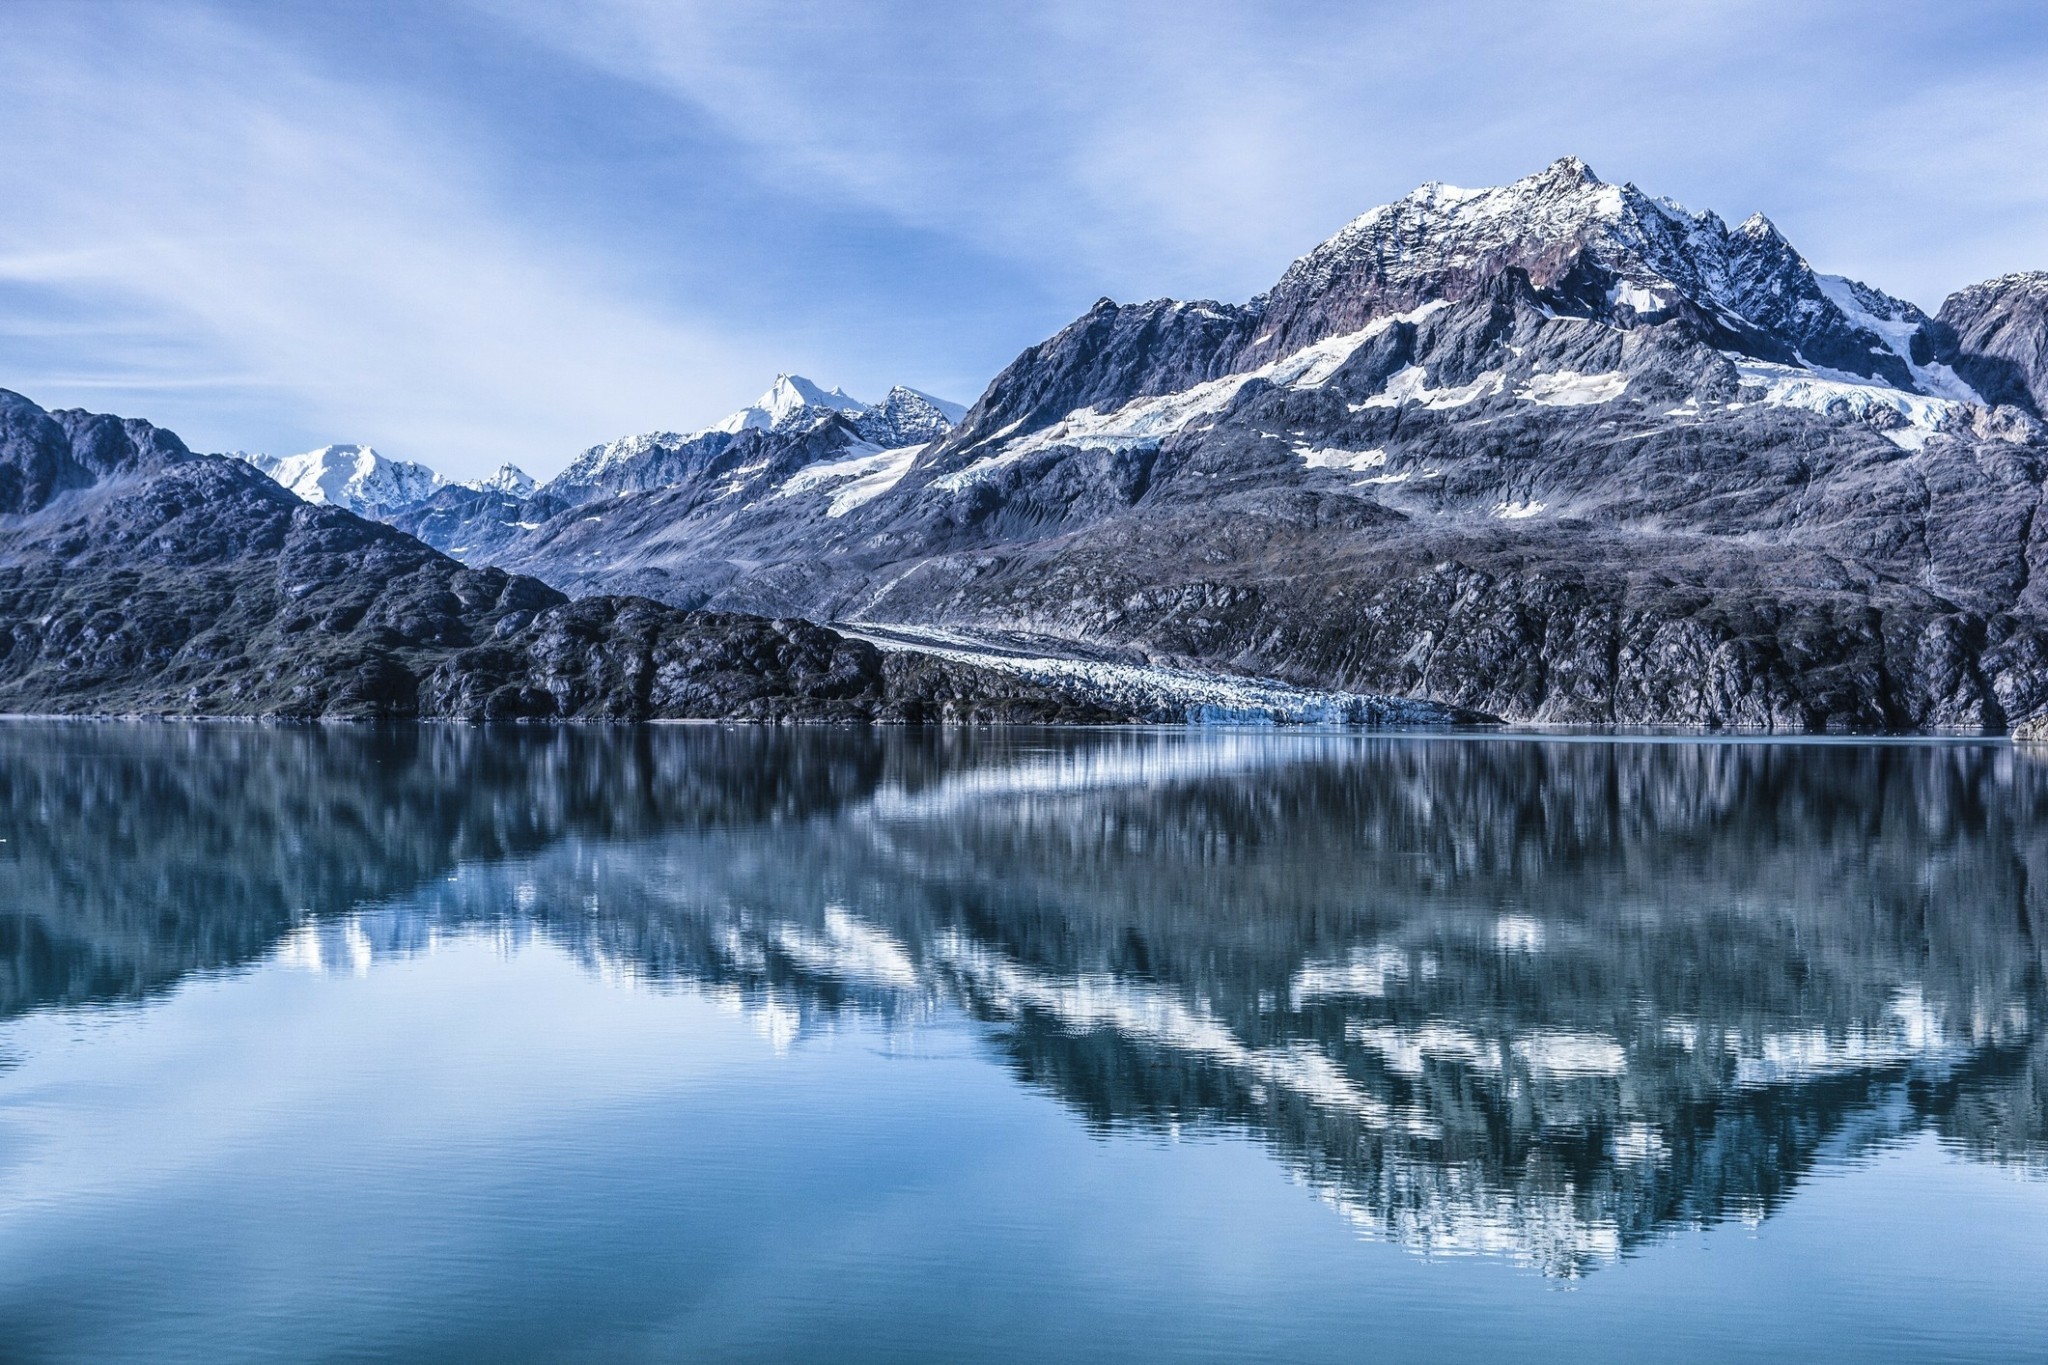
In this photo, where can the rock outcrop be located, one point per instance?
(1996, 336)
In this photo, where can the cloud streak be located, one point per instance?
(320, 252)
(491, 229)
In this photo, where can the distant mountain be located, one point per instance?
(353, 477)
(508, 479)
(794, 414)
(794, 426)
(475, 516)
(791, 400)
(1556, 451)
(904, 416)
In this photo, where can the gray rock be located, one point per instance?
(1995, 335)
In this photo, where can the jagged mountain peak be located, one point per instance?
(791, 400)
(1566, 172)
(1596, 248)
(907, 417)
(44, 454)
(952, 411)
(904, 416)
(509, 479)
(1558, 244)
(2033, 282)
(1757, 225)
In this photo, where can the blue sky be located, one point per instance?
(479, 230)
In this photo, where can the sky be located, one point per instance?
(473, 231)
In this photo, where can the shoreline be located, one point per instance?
(1523, 731)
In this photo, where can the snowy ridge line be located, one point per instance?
(1149, 420)
(1172, 694)
(1895, 324)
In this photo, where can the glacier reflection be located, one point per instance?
(1540, 1000)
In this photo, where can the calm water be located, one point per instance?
(677, 1044)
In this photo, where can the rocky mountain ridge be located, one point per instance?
(795, 424)
(371, 484)
(139, 578)
(1559, 451)
(1996, 336)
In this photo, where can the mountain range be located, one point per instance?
(1559, 452)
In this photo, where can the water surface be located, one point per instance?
(656, 1044)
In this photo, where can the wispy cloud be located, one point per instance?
(1192, 146)
(237, 212)
(489, 229)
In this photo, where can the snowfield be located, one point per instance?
(860, 479)
(1784, 386)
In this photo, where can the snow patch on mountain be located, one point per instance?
(1410, 384)
(1354, 461)
(1150, 420)
(1906, 419)
(1570, 389)
(854, 482)
(1642, 302)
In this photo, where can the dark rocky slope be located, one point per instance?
(1996, 336)
(138, 578)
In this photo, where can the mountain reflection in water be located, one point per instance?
(1542, 999)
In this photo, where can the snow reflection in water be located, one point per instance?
(1546, 1002)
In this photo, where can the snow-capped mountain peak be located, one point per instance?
(907, 417)
(506, 478)
(791, 401)
(353, 477)
(1758, 226)
(792, 416)
(1596, 246)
